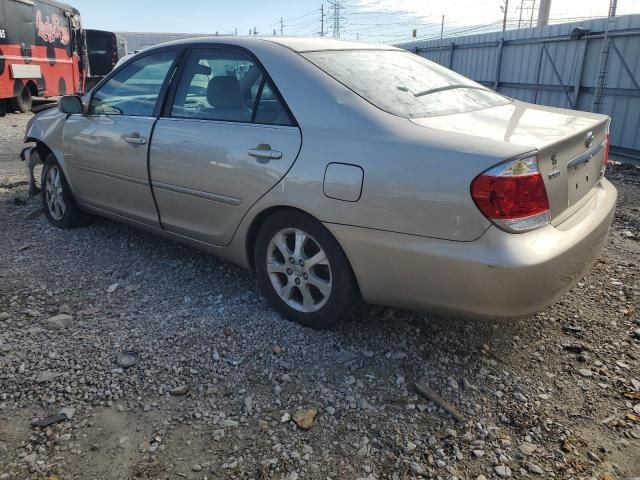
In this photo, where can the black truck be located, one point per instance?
(104, 49)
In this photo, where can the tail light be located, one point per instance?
(513, 196)
(605, 161)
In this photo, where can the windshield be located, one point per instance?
(405, 84)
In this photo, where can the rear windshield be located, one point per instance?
(405, 84)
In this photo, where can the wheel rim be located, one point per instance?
(53, 193)
(299, 270)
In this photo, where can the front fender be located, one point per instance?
(45, 129)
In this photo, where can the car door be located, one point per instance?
(106, 150)
(226, 138)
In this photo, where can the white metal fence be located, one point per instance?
(558, 65)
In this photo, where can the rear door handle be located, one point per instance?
(264, 152)
(136, 140)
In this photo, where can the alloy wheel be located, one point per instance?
(53, 193)
(299, 270)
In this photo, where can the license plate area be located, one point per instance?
(583, 173)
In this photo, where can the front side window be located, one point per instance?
(226, 86)
(134, 90)
(405, 84)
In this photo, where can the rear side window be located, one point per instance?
(226, 85)
(134, 90)
(269, 109)
(405, 84)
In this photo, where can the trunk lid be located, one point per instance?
(569, 143)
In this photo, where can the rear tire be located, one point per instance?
(23, 101)
(60, 207)
(303, 271)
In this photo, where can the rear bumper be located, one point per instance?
(498, 276)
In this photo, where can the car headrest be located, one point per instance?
(225, 93)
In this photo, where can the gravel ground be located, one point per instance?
(224, 386)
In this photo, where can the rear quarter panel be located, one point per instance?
(416, 179)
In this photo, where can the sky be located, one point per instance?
(385, 21)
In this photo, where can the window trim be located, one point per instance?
(171, 73)
(177, 77)
(254, 113)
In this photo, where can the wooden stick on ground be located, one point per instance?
(435, 398)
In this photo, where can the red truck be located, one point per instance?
(42, 52)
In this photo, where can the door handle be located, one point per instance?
(263, 151)
(136, 140)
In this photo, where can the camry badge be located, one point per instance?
(588, 141)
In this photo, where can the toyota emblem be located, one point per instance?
(588, 141)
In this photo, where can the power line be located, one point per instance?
(386, 24)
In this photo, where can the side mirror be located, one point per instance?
(70, 104)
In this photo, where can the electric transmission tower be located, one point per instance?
(527, 9)
(336, 17)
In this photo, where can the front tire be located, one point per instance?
(60, 207)
(303, 271)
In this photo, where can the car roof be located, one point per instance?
(308, 44)
(297, 44)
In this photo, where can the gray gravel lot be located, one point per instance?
(223, 382)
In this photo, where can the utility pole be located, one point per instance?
(543, 13)
(442, 28)
(613, 6)
(506, 11)
(533, 9)
(322, 20)
(236, 31)
(520, 17)
(281, 27)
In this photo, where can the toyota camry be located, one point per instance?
(338, 172)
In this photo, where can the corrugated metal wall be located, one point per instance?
(547, 66)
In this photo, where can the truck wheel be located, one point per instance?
(23, 100)
(60, 207)
(3, 108)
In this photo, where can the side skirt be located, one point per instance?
(222, 252)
